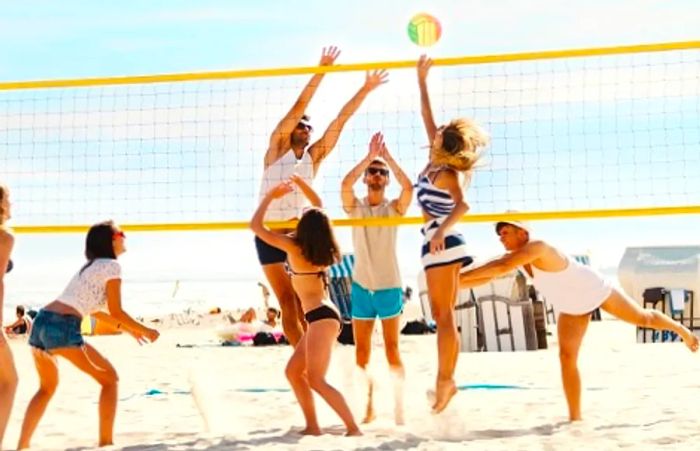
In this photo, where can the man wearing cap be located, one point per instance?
(575, 290)
(287, 155)
(376, 287)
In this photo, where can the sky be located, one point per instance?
(71, 39)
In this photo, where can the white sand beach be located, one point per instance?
(635, 396)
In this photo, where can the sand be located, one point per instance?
(637, 396)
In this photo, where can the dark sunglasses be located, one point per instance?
(375, 171)
(119, 234)
(303, 126)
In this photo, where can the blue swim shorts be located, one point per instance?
(382, 304)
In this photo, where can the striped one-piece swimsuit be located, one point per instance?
(438, 203)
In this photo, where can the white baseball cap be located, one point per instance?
(514, 222)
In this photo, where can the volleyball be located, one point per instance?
(424, 30)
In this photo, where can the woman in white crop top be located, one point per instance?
(56, 329)
(8, 373)
(575, 291)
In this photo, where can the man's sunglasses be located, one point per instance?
(375, 171)
(303, 126)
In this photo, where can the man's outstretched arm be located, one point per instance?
(279, 139)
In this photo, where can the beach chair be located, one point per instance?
(340, 284)
(505, 314)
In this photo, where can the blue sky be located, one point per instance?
(70, 39)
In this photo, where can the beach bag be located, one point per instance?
(415, 328)
(346, 336)
(264, 339)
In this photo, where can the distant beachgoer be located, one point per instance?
(376, 287)
(575, 290)
(56, 330)
(22, 325)
(310, 250)
(8, 372)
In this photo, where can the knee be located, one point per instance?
(392, 354)
(361, 357)
(316, 381)
(109, 378)
(443, 315)
(47, 389)
(648, 317)
(567, 356)
(294, 373)
(9, 383)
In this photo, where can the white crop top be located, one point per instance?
(86, 292)
(289, 206)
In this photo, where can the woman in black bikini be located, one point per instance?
(310, 250)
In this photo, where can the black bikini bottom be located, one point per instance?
(322, 312)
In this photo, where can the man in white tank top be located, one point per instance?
(376, 287)
(575, 290)
(288, 155)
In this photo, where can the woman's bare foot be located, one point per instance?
(444, 391)
(369, 416)
(356, 432)
(691, 341)
(311, 431)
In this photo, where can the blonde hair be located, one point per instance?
(462, 140)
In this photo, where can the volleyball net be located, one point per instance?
(575, 133)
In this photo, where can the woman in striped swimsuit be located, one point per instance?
(440, 193)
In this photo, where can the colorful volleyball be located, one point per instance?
(424, 30)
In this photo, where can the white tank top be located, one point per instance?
(289, 206)
(86, 292)
(576, 290)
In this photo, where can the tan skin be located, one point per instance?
(376, 187)
(8, 372)
(87, 359)
(442, 281)
(522, 252)
(289, 135)
(306, 369)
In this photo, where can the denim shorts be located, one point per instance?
(52, 330)
(382, 304)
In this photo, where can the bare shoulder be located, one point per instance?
(446, 177)
(6, 237)
(547, 253)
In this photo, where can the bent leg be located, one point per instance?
(296, 375)
(8, 385)
(46, 366)
(623, 307)
(88, 360)
(442, 289)
(321, 339)
(292, 315)
(570, 330)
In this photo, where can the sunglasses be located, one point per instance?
(303, 126)
(119, 234)
(375, 171)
